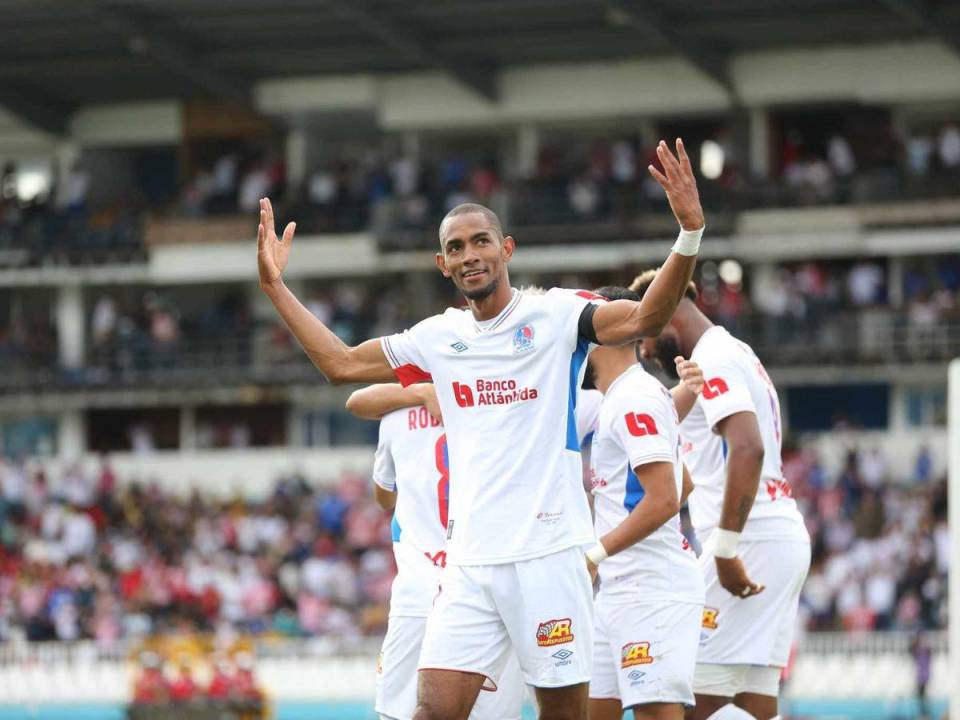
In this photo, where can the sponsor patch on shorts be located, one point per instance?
(635, 653)
(710, 618)
(555, 632)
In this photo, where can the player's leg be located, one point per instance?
(658, 711)
(604, 703)
(465, 645)
(562, 703)
(397, 667)
(447, 694)
(506, 702)
(547, 606)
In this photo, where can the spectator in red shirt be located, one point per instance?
(183, 688)
(151, 687)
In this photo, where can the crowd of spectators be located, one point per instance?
(575, 178)
(90, 557)
(880, 542)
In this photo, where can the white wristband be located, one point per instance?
(725, 543)
(688, 242)
(597, 554)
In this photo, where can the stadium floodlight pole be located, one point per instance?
(953, 521)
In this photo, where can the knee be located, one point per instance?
(433, 709)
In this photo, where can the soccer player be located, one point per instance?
(756, 550)
(506, 370)
(411, 477)
(650, 604)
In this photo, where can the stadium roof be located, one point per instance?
(56, 56)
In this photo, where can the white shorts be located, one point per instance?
(759, 629)
(397, 677)
(644, 653)
(541, 608)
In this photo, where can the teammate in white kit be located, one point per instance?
(650, 603)
(411, 476)
(756, 547)
(412, 453)
(506, 371)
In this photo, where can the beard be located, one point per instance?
(481, 293)
(666, 350)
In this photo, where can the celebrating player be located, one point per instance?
(506, 372)
(413, 446)
(756, 550)
(650, 603)
(411, 476)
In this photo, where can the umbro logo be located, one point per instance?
(459, 346)
(562, 654)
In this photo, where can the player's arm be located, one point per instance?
(387, 499)
(687, 486)
(622, 321)
(339, 362)
(741, 433)
(685, 392)
(375, 401)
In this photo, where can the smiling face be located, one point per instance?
(474, 254)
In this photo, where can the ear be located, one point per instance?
(442, 264)
(508, 245)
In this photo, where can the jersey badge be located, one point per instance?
(523, 339)
(459, 346)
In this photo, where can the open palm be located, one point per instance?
(272, 252)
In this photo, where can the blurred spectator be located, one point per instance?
(948, 147)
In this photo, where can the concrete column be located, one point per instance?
(71, 326)
(296, 156)
(188, 428)
(528, 147)
(71, 435)
(759, 131)
(895, 282)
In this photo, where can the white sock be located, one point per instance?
(731, 712)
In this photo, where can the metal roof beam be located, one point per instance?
(38, 111)
(638, 14)
(919, 14)
(175, 56)
(392, 32)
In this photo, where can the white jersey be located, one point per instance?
(735, 381)
(588, 412)
(411, 459)
(638, 425)
(508, 390)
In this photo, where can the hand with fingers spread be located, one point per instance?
(678, 182)
(690, 374)
(272, 252)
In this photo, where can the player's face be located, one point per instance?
(663, 349)
(474, 255)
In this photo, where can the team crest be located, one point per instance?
(710, 618)
(523, 339)
(555, 632)
(637, 653)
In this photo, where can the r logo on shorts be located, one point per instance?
(555, 632)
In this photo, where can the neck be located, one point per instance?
(493, 304)
(691, 324)
(615, 366)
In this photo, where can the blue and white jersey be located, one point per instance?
(638, 425)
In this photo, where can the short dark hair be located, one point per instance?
(467, 208)
(613, 292)
(642, 281)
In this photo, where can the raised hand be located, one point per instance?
(679, 184)
(272, 252)
(690, 374)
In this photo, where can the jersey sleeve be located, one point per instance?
(384, 470)
(588, 410)
(570, 304)
(725, 389)
(406, 353)
(641, 424)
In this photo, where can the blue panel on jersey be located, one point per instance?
(723, 442)
(395, 529)
(576, 365)
(635, 491)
